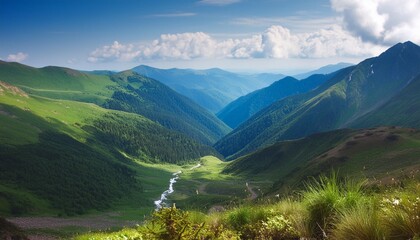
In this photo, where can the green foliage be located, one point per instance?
(71, 175)
(172, 223)
(276, 228)
(146, 140)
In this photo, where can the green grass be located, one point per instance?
(64, 140)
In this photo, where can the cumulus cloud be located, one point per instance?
(381, 21)
(18, 57)
(275, 42)
(219, 2)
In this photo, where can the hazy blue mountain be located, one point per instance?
(339, 102)
(244, 107)
(324, 70)
(211, 88)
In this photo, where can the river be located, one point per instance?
(161, 202)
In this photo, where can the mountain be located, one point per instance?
(159, 103)
(212, 88)
(289, 163)
(324, 70)
(244, 107)
(339, 102)
(401, 110)
(143, 95)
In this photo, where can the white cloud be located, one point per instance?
(381, 21)
(219, 2)
(275, 42)
(18, 57)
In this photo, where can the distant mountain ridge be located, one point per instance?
(244, 107)
(339, 102)
(324, 70)
(211, 88)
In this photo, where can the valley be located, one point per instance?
(93, 154)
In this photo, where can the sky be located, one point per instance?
(282, 36)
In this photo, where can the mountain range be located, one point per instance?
(126, 91)
(72, 141)
(340, 102)
(244, 107)
(211, 88)
(324, 70)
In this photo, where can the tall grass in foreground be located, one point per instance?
(329, 208)
(359, 223)
(402, 217)
(325, 198)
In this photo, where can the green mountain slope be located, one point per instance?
(57, 82)
(71, 156)
(158, 102)
(350, 94)
(211, 88)
(401, 110)
(372, 153)
(180, 113)
(244, 107)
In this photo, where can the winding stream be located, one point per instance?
(161, 202)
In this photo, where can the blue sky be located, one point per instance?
(240, 35)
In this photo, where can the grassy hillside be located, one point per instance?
(401, 110)
(244, 107)
(339, 102)
(375, 154)
(58, 82)
(159, 103)
(72, 156)
(143, 96)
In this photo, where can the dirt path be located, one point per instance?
(254, 195)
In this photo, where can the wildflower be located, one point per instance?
(396, 201)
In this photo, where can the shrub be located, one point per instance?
(361, 222)
(172, 223)
(276, 228)
(325, 198)
(297, 213)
